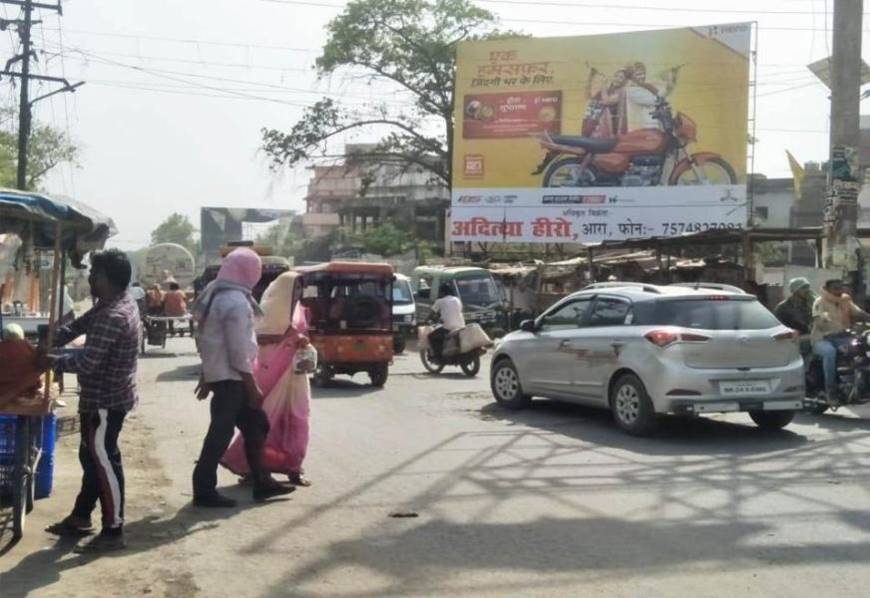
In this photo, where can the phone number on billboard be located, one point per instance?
(678, 228)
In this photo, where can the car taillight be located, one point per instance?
(664, 338)
(789, 335)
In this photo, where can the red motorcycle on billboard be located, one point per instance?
(639, 158)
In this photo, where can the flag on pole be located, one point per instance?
(797, 173)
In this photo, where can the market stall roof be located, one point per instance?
(716, 237)
(84, 229)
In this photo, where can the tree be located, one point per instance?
(279, 238)
(48, 148)
(385, 240)
(409, 43)
(177, 228)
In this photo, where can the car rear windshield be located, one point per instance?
(707, 314)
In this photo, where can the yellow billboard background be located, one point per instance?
(712, 88)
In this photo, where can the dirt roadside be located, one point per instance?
(152, 564)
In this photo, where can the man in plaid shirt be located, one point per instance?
(106, 369)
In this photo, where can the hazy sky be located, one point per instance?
(177, 91)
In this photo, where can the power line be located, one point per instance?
(190, 41)
(241, 65)
(608, 7)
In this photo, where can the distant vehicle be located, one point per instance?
(642, 350)
(351, 322)
(404, 312)
(167, 257)
(273, 267)
(483, 303)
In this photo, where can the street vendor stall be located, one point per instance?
(49, 232)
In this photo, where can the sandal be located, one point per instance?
(66, 528)
(299, 479)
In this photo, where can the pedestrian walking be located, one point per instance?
(280, 334)
(106, 369)
(225, 314)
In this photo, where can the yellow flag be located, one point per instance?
(797, 172)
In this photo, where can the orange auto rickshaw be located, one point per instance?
(350, 307)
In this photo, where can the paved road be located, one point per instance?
(549, 501)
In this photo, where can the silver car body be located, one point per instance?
(703, 371)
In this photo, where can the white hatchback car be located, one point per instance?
(642, 350)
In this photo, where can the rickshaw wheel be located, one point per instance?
(379, 375)
(322, 376)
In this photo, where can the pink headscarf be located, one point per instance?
(241, 266)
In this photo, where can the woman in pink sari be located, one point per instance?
(280, 333)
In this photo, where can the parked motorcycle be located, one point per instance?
(853, 373)
(451, 354)
(639, 158)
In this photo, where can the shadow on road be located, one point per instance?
(675, 436)
(182, 372)
(343, 388)
(44, 568)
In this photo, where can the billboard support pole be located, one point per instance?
(842, 198)
(750, 180)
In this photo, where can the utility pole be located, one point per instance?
(25, 108)
(844, 178)
(24, 111)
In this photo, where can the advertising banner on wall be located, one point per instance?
(606, 137)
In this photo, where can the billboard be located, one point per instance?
(605, 137)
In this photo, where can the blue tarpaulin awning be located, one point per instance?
(83, 228)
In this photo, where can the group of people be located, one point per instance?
(816, 317)
(247, 351)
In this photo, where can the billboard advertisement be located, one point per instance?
(605, 137)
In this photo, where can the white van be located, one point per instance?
(404, 312)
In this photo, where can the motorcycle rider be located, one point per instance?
(796, 312)
(449, 308)
(834, 311)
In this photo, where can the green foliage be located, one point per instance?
(177, 228)
(48, 148)
(385, 240)
(279, 238)
(409, 43)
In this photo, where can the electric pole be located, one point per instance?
(24, 111)
(844, 178)
(25, 108)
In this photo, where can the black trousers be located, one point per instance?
(103, 474)
(230, 410)
(436, 340)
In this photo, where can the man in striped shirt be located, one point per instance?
(106, 370)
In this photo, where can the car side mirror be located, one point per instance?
(528, 326)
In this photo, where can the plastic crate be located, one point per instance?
(7, 453)
(44, 471)
(45, 468)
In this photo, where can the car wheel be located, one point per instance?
(506, 386)
(399, 344)
(772, 420)
(471, 367)
(632, 409)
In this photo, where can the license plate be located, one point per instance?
(720, 407)
(744, 388)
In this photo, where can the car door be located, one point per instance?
(548, 363)
(598, 345)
